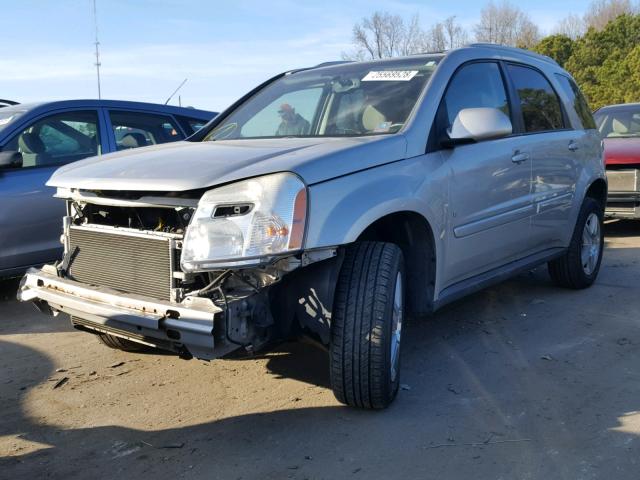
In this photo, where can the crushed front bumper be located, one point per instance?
(186, 328)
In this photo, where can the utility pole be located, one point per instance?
(97, 43)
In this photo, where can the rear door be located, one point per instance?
(30, 218)
(490, 181)
(555, 154)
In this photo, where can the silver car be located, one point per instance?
(332, 202)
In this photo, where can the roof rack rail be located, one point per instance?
(329, 64)
(521, 51)
(320, 65)
(431, 52)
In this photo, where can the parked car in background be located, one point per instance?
(619, 126)
(330, 202)
(35, 139)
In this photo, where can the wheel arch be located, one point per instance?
(598, 191)
(414, 235)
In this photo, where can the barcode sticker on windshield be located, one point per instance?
(390, 75)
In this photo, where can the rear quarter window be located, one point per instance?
(577, 100)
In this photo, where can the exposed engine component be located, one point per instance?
(167, 220)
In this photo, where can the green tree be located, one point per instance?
(631, 66)
(559, 47)
(605, 63)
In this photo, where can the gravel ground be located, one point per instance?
(521, 381)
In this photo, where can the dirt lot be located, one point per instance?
(521, 381)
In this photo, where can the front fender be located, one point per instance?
(341, 209)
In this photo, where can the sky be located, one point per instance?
(223, 48)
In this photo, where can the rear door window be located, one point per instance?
(136, 129)
(191, 125)
(578, 101)
(539, 104)
(57, 140)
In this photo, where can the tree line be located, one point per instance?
(601, 48)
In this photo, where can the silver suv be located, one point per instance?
(331, 202)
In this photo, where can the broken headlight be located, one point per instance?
(246, 223)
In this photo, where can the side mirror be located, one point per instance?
(10, 159)
(475, 124)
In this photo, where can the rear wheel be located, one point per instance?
(123, 344)
(579, 266)
(366, 326)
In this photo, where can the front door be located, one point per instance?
(30, 218)
(490, 182)
(490, 206)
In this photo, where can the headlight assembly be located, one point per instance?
(246, 223)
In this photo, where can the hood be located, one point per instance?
(622, 151)
(185, 166)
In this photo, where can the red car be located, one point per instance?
(619, 126)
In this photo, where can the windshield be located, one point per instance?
(351, 99)
(619, 122)
(8, 115)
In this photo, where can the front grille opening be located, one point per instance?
(155, 219)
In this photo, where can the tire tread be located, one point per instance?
(359, 356)
(567, 271)
(123, 344)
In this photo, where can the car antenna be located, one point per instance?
(176, 91)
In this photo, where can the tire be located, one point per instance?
(579, 266)
(123, 344)
(366, 325)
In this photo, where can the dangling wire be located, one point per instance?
(211, 286)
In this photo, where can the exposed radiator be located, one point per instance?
(127, 262)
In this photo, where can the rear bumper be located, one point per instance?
(186, 328)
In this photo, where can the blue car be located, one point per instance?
(35, 139)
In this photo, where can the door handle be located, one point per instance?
(573, 146)
(519, 157)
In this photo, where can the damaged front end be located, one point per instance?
(148, 267)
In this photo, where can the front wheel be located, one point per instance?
(579, 266)
(366, 326)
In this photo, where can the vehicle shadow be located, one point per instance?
(302, 360)
(523, 380)
(23, 318)
(8, 288)
(621, 228)
(478, 401)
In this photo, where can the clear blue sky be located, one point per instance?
(224, 48)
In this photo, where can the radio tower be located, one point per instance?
(97, 43)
